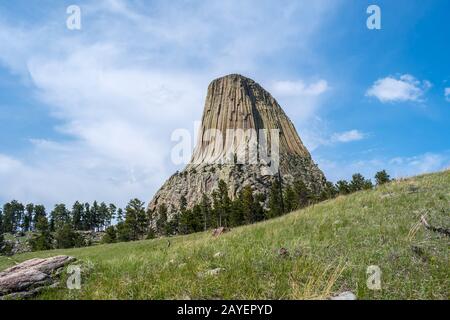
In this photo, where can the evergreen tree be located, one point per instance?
(303, 194)
(222, 204)
(1, 222)
(259, 213)
(343, 187)
(110, 235)
(60, 216)
(43, 240)
(136, 219)
(120, 215)
(196, 223)
(183, 220)
(86, 221)
(77, 216)
(206, 212)
(291, 200)
(39, 211)
(66, 237)
(248, 205)
(13, 213)
(382, 177)
(103, 216)
(275, 200)
(28, 218)
(237, 212)
(368, 185)
(357, 182)
(328, 192)
(112, 214)
(93, 219)
(161, 222)
(123, 232)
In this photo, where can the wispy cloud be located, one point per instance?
(447, 94)
(121, 85)
(348, 136)
(300, 88)
(401, 89)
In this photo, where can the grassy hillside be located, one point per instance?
(330, 245)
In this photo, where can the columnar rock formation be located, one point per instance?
(245, 139)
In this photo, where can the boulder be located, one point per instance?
(31, 276)
(219, 231)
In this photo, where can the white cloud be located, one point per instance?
(348, 136)
(299, 88)
(447, 94)
(401, 89)
(131, 76)
(300, 99)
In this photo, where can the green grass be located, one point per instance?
(331, 246)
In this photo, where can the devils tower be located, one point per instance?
(245, 139)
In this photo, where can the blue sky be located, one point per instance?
(89, 114)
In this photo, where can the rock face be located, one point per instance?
(245, 139)
(30, 277)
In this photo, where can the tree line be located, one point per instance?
(248, 207)
(61, 227)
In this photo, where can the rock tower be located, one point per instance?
(245, 139)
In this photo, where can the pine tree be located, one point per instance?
(382, 177)
(94, 216)
(196, 224)
(39, 211)
(13, 213)
(110, 235)
(183, 220)
(304, 196)
(77, 215)
(343, 187)
(66, 237)
(248, 205)
(112, 214)
(291, 200)
(136, 219)
(1, 222)
(60, 216)
(328, 192)
(120, 215)
(161, 222)
(28, 218)
(43, 240)
(123, 232)
(206, 212)
(357, 182)
(103, 216)
(275, 200)
(86, 220)
(237, 212)
(223, 204)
